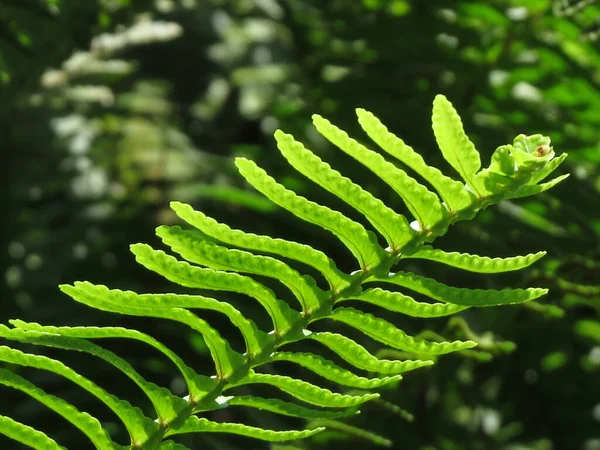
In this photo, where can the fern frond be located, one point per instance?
(27, 435)
(359, 357)
(397, 302)
(455, 145)
(386, 333)
(166, 405)
(90, 426)
(453, 192)
(475, 263)
(203, 278)
(226, 360)
(424, 205)
(462, 296)
(352, 431)
(255, 339)
(286, 408)
(197, 385)
(362, 243)
(287, 249)
(391, 225)
(305, 391)
(139, 427)
(194, 424)
(333, 372)
(529, 190)
(550, 167)
(219, 258)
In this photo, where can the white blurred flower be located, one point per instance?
(91, 94)
(82, 141)
(81, 63)
(91, 184)
(517, 13)
(164, 6)
(447, 40)
(527, 57)
(491, 421)
(526, 92)
(144, 31)
(67, 125)
(53, 78)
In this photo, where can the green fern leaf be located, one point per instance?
(359, 357)
(197, 385)
(203, 278)
(226, 360)
(386, 333)
(424, 205)
(166, 405)
(397, 302)
(298, 252)
(392, 226)
(333, 372)
(456, 147)
(361, 243)
(454, 194)
(91, 427)
(475, 263)
(463, 296)
(352, 431)
(256, 340)
(305, 391)
(286, 408)
(550, 167)
(528, 190)
(194, 424)
(27, 435)
(221, 258)
(139, 427)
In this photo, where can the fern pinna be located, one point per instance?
(219, 258)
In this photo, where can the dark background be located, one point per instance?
(110, 109)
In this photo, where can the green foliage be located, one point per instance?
(218, 258)
(104, 172)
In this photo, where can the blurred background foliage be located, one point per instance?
(111, 108)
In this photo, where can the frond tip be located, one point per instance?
(217, 258)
